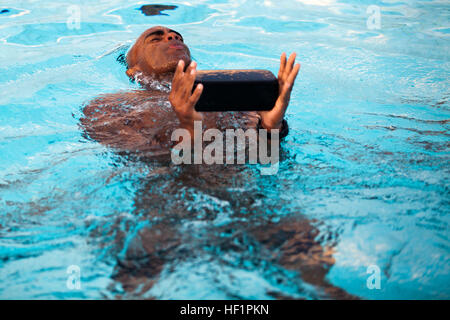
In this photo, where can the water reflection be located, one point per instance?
(155, 9)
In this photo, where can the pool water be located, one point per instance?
(363, 182)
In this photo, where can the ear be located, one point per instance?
(131, 72)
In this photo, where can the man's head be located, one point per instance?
(156, 52)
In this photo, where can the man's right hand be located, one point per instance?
(182, 98)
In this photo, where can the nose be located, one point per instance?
(173, 36)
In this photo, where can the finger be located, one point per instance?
(189, 80)
(184, 91)
(282, 64)
(178, 73)
(191, 67)
(196, 95)
(292, 76)
(289, 64)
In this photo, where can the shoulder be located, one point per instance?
(119, 100)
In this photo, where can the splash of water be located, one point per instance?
(151, 83)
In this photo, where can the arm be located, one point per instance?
(112, 120)
(183, 101)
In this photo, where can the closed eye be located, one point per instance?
(154, 36)
(153, 39)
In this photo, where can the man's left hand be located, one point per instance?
(273, 119)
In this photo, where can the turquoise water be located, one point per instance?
(363, 179)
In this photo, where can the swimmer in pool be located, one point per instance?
(143, 120)
(140, 120)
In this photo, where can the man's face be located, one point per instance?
(158, 50)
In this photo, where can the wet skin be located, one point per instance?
(160, 53)
(138, 122)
